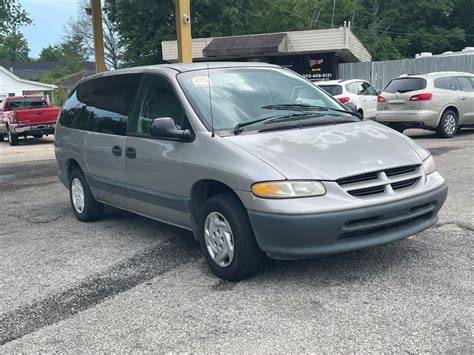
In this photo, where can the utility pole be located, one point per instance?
(183, 31)
(333, 8)
(98, 36)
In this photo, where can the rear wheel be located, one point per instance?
(227, 239)
(12, 138)
(448, 124)
(84, 205)
(397, 128)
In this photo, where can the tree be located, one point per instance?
(12, 17)
(50, 54)
(82, 27)
(389, 29)
(14, 47)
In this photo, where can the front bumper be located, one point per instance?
(284, 236)
(425, 118)
(44, 129)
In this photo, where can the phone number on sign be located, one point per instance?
(318, 76)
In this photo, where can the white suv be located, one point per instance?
(442, 102)
(357, 92)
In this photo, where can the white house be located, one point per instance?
(12, 85)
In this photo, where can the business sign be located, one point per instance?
(312, 66)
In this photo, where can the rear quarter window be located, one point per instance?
(332, 89)
(447, 83)
(108, 102)
(73, 113)
(405, 85)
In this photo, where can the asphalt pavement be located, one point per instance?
(127, 283)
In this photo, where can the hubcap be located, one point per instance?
(77, 193)
(219, 239)
(450, 124)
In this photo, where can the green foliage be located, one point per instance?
(389, 29)
(13, 47)
(50, 54)
(12, 17)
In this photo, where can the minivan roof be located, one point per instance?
(179, 67)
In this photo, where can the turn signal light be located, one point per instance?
(344, 100)
(421, 97)
(380, 98)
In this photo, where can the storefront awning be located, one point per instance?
(242, 46)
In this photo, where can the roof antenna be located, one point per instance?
(210, 100)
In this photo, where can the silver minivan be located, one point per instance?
(251, 157)
(440, 101)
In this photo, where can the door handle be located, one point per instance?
(39, 113)
(117, 150)
(130, 152)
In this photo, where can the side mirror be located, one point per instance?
(164, 127)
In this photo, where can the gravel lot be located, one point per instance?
(128, 283)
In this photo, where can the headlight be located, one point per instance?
(288, 189)
(429, 165)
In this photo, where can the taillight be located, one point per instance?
(344, 100)
(380, 98)
(421, 97)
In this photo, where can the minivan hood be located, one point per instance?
(330, 152)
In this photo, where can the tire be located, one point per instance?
(2, 136)
(247, 256)
(448, 124)
(12, 138)
(37, 136)
(91, 209)
(361, 112)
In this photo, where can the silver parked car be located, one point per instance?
(442, 101)
(253, 158)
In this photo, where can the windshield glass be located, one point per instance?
(332, 89)
(240, 94)
(405, 85)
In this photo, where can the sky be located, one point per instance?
(49, 19)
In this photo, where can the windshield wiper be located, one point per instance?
(240, 125)
(303, 125)
(306, 107)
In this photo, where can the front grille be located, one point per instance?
(368, 191)
(378, 182)
(400, 170)
(404, 184)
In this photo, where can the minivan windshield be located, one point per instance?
(405, 85)
(242, 95)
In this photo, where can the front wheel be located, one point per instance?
(84, 205)
(227, 239)
(448, 124)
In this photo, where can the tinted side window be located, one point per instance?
(405, 85)
(447, 83)
(367, 89)
(109, 101)
(159, 100)
(73, 114)
(465, 83)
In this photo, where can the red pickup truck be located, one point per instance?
(27, 116)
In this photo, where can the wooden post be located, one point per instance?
(98, 36)
(183, 31)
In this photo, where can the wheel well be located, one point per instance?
(70, 165)
(452, 108)
(203, 190)
(360, 111)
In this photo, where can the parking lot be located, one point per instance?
(128, 283)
